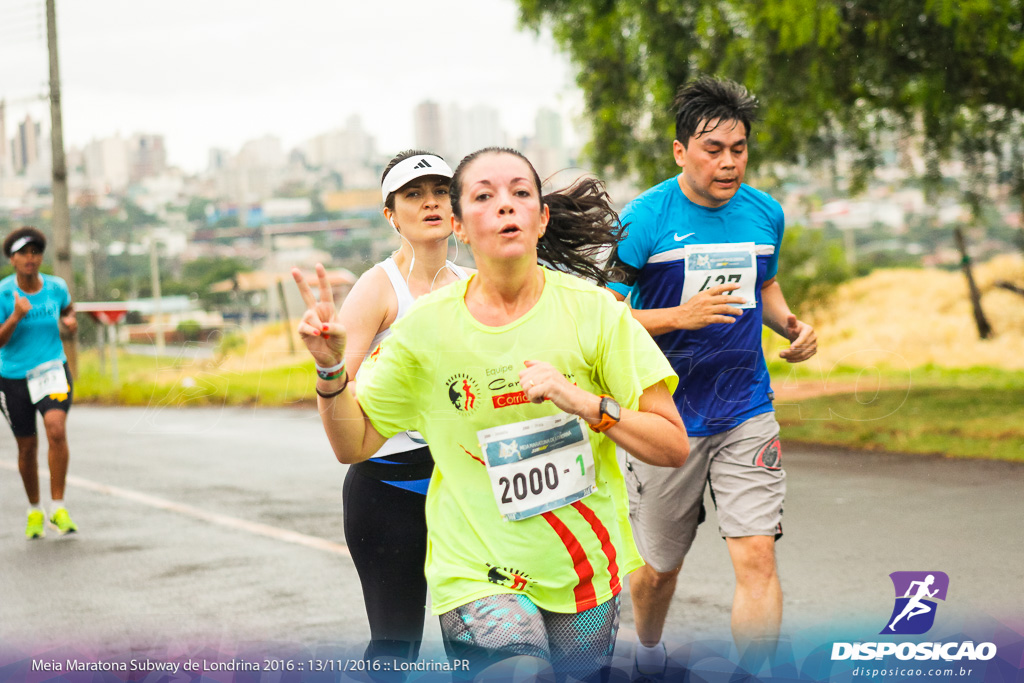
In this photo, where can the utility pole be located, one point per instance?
(154, 274)
(61, 212)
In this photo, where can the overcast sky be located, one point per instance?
(215, 73)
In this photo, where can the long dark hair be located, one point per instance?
(582, 228)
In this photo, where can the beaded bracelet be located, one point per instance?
(333, 393)
(333, 372)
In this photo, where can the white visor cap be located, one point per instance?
(23, 242)
(410, 169)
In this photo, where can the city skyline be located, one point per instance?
(216, 76)
(346, 157)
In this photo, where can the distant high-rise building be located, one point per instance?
(264, 152)
(472, 129)
(546, 150)
(548, 128)
(147, 156)
(107, 164)
(350, 152)
(26, 144)
(255, 172)
(428, 129)
(5, 155)
(341, 148)
(217, 159)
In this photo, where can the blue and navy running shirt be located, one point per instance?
(723, 379)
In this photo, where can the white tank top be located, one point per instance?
(411, 440)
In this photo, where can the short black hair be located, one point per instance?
(24, 231)
(707, 99)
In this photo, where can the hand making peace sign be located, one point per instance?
(319, 328)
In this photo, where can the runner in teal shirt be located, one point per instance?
(34, 375)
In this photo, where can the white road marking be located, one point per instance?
(216, 518)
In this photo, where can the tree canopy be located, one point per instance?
(827, 72)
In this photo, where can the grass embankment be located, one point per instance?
(900, 367)
(258, 371)
(972, 412)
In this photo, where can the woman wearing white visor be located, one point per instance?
(384, 496)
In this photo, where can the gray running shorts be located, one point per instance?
(743, 466)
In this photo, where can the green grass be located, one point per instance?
(981, 377)
(975, 412)
(171, 382)
(966, 422)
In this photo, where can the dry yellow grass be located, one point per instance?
(907, 318)
(266, 347)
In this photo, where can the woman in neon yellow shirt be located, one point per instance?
(522, 380)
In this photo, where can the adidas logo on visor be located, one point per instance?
(410, 169)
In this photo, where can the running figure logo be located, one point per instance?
(462, 392)
(501, 576)
(914, 611)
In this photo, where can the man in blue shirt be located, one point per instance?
(701, 255)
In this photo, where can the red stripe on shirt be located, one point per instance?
(470, 454)
(606, 544)
(584, 593)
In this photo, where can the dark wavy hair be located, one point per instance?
(24, 231)
(582, 227)
(707, 99)
(400, 157)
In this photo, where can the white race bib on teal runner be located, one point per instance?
(46, 379)
(708, 265)
(538, 465)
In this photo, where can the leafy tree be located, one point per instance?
(828, 73)
(196, 209)
(813, 266)
(203, 272)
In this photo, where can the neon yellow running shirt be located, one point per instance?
(446, 375)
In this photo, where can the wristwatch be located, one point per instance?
(611, 413)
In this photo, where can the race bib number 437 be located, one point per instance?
(708, 265)
(538, 465)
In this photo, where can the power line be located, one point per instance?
(24, 19)
(19, 41)
(26, 12)
(10, 19)
(16, 33)
(22, 40)
(25, 9)
(24, 24)
(41, 97)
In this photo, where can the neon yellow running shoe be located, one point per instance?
(62, 521)
(36, 524)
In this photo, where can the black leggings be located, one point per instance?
(386, 532)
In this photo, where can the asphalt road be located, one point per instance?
(221, 529)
